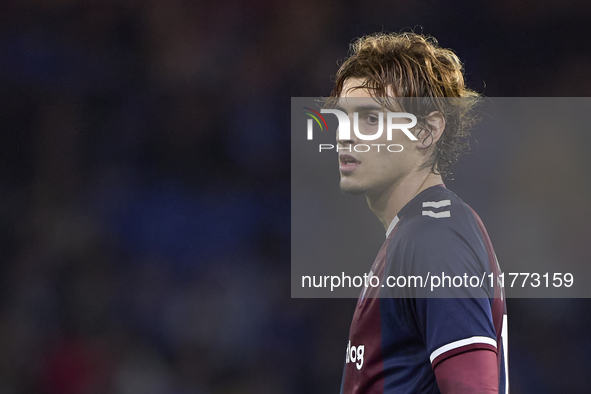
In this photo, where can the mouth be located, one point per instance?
(348, 163)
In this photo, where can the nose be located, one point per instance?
(346, 137)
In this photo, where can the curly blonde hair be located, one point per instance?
(414, 66)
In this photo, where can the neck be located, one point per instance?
(388, 203)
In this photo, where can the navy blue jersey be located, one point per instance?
(400, 333)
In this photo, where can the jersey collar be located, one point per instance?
(392, 225)
(396, 219)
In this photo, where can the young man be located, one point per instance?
(402, 340)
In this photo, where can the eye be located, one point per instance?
(372, 119)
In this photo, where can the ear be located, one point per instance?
(436, 125)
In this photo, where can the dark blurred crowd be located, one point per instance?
(145, 190)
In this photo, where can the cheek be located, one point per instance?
(391, 161)
(381, 162)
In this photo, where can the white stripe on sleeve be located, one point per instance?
(460, 343)
(444, 214)
(436, 204)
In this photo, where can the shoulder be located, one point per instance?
(434, 213)
(438, 232)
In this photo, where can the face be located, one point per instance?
(378, 170)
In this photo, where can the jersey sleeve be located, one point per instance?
(456, 316)
(453, 326)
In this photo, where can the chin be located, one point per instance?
(353, 189)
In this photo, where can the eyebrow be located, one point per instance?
(361, 108)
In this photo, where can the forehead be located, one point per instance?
(353, 95)
(351, 88)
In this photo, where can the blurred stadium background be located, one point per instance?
(144, 186)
